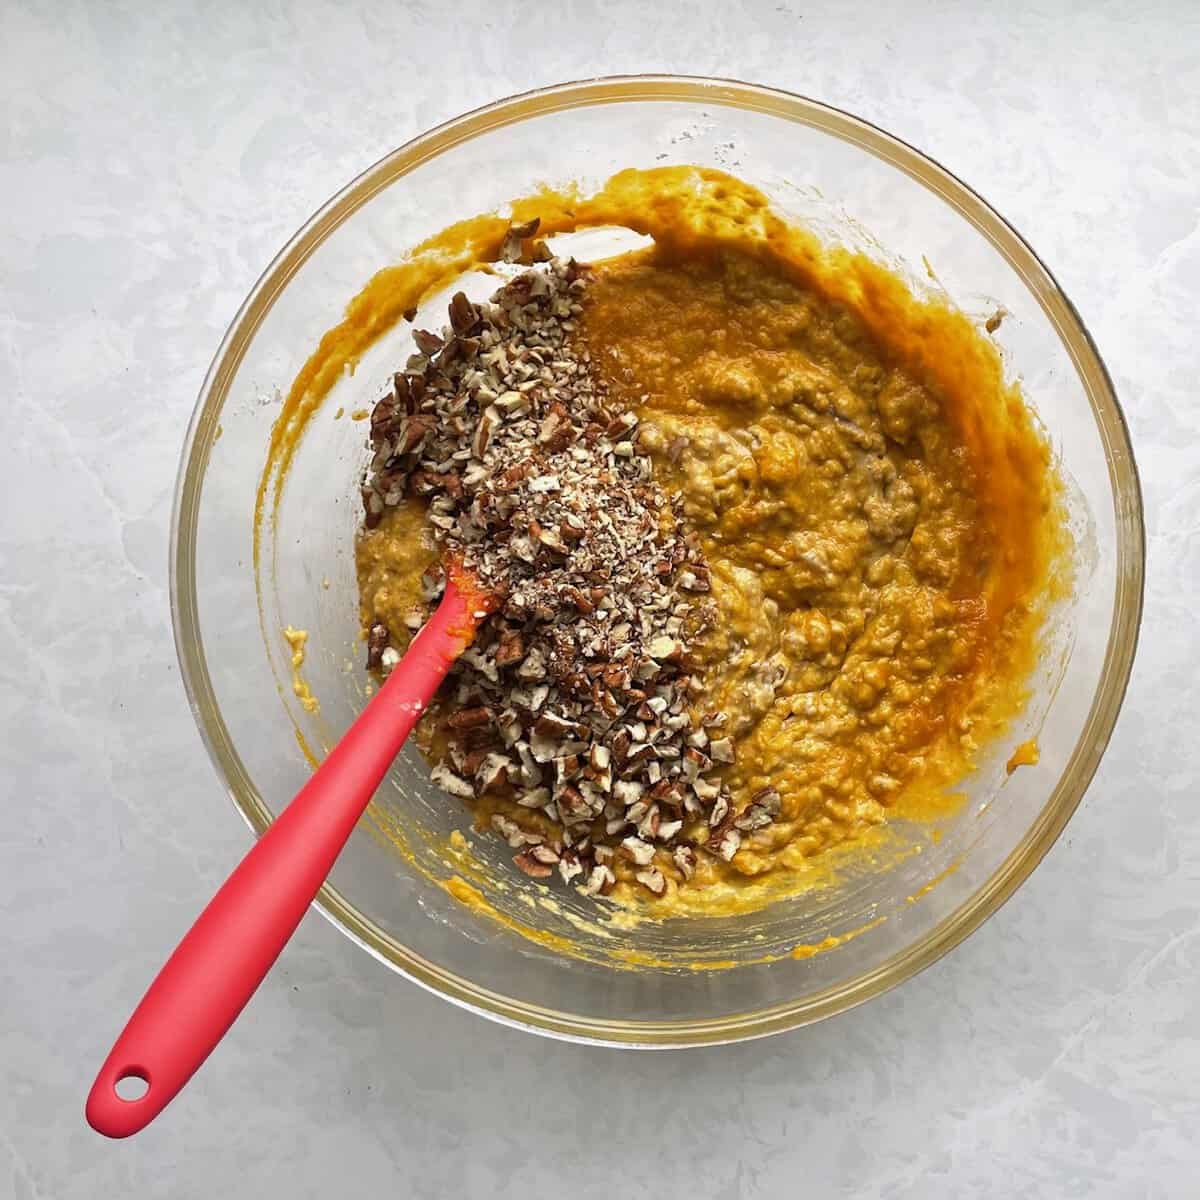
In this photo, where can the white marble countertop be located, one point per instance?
(153, 158)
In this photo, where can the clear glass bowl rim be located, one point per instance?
(1123, 634)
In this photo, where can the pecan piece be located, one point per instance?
(448, 781)
(721, 750)
(569, 866)
(493, 772)
(571, 803)
(600, 881)
(469, 718)
(578, 598)
(664, 649)
(639, 851)
(372, 507)
(571, 528)
(511, 648)
(653, 880)
(532, 866)
(413, 434)
(769, 800)
(377, 642)
(511, 250)
(725, 844)
(465, 317)
(476, 758)
(685, 860)
(724, 840)
(720, 810)
(385, 420)
(428, 343)
(551, 726)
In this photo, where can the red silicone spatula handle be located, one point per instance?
(224, 956)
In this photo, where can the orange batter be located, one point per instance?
(880, 510)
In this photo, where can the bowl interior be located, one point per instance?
(880, 918)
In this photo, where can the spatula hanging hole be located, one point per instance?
(133, 1085)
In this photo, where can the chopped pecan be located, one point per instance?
(600, 881)
(720, 810)
(664, 649)
(551, 725)
(377, 641)
(685, 860)
(448, 781)
(577, 597)
(372, 507)
(465, 317)
(469, 718)
(725, 843)
(483, 433)
(428, 343)
(653, 880)
(574, 696)
(569, 866)
(571, 802)
(413, 433)
(493, 772)
(769, 800)
(474, 759)
(619, 426)
(511, 648)
(721, 750)
(526, 229)
(639, 851)
(510, 248)
(533, 866)
(385, 420)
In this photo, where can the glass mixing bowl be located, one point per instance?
(700, 981)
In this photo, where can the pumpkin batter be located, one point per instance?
(869, 599)
(877, 613)
(880, 510)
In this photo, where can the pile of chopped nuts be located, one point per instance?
(575, 697)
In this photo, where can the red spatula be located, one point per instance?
(224, 956)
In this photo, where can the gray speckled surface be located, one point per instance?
(152, 160)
